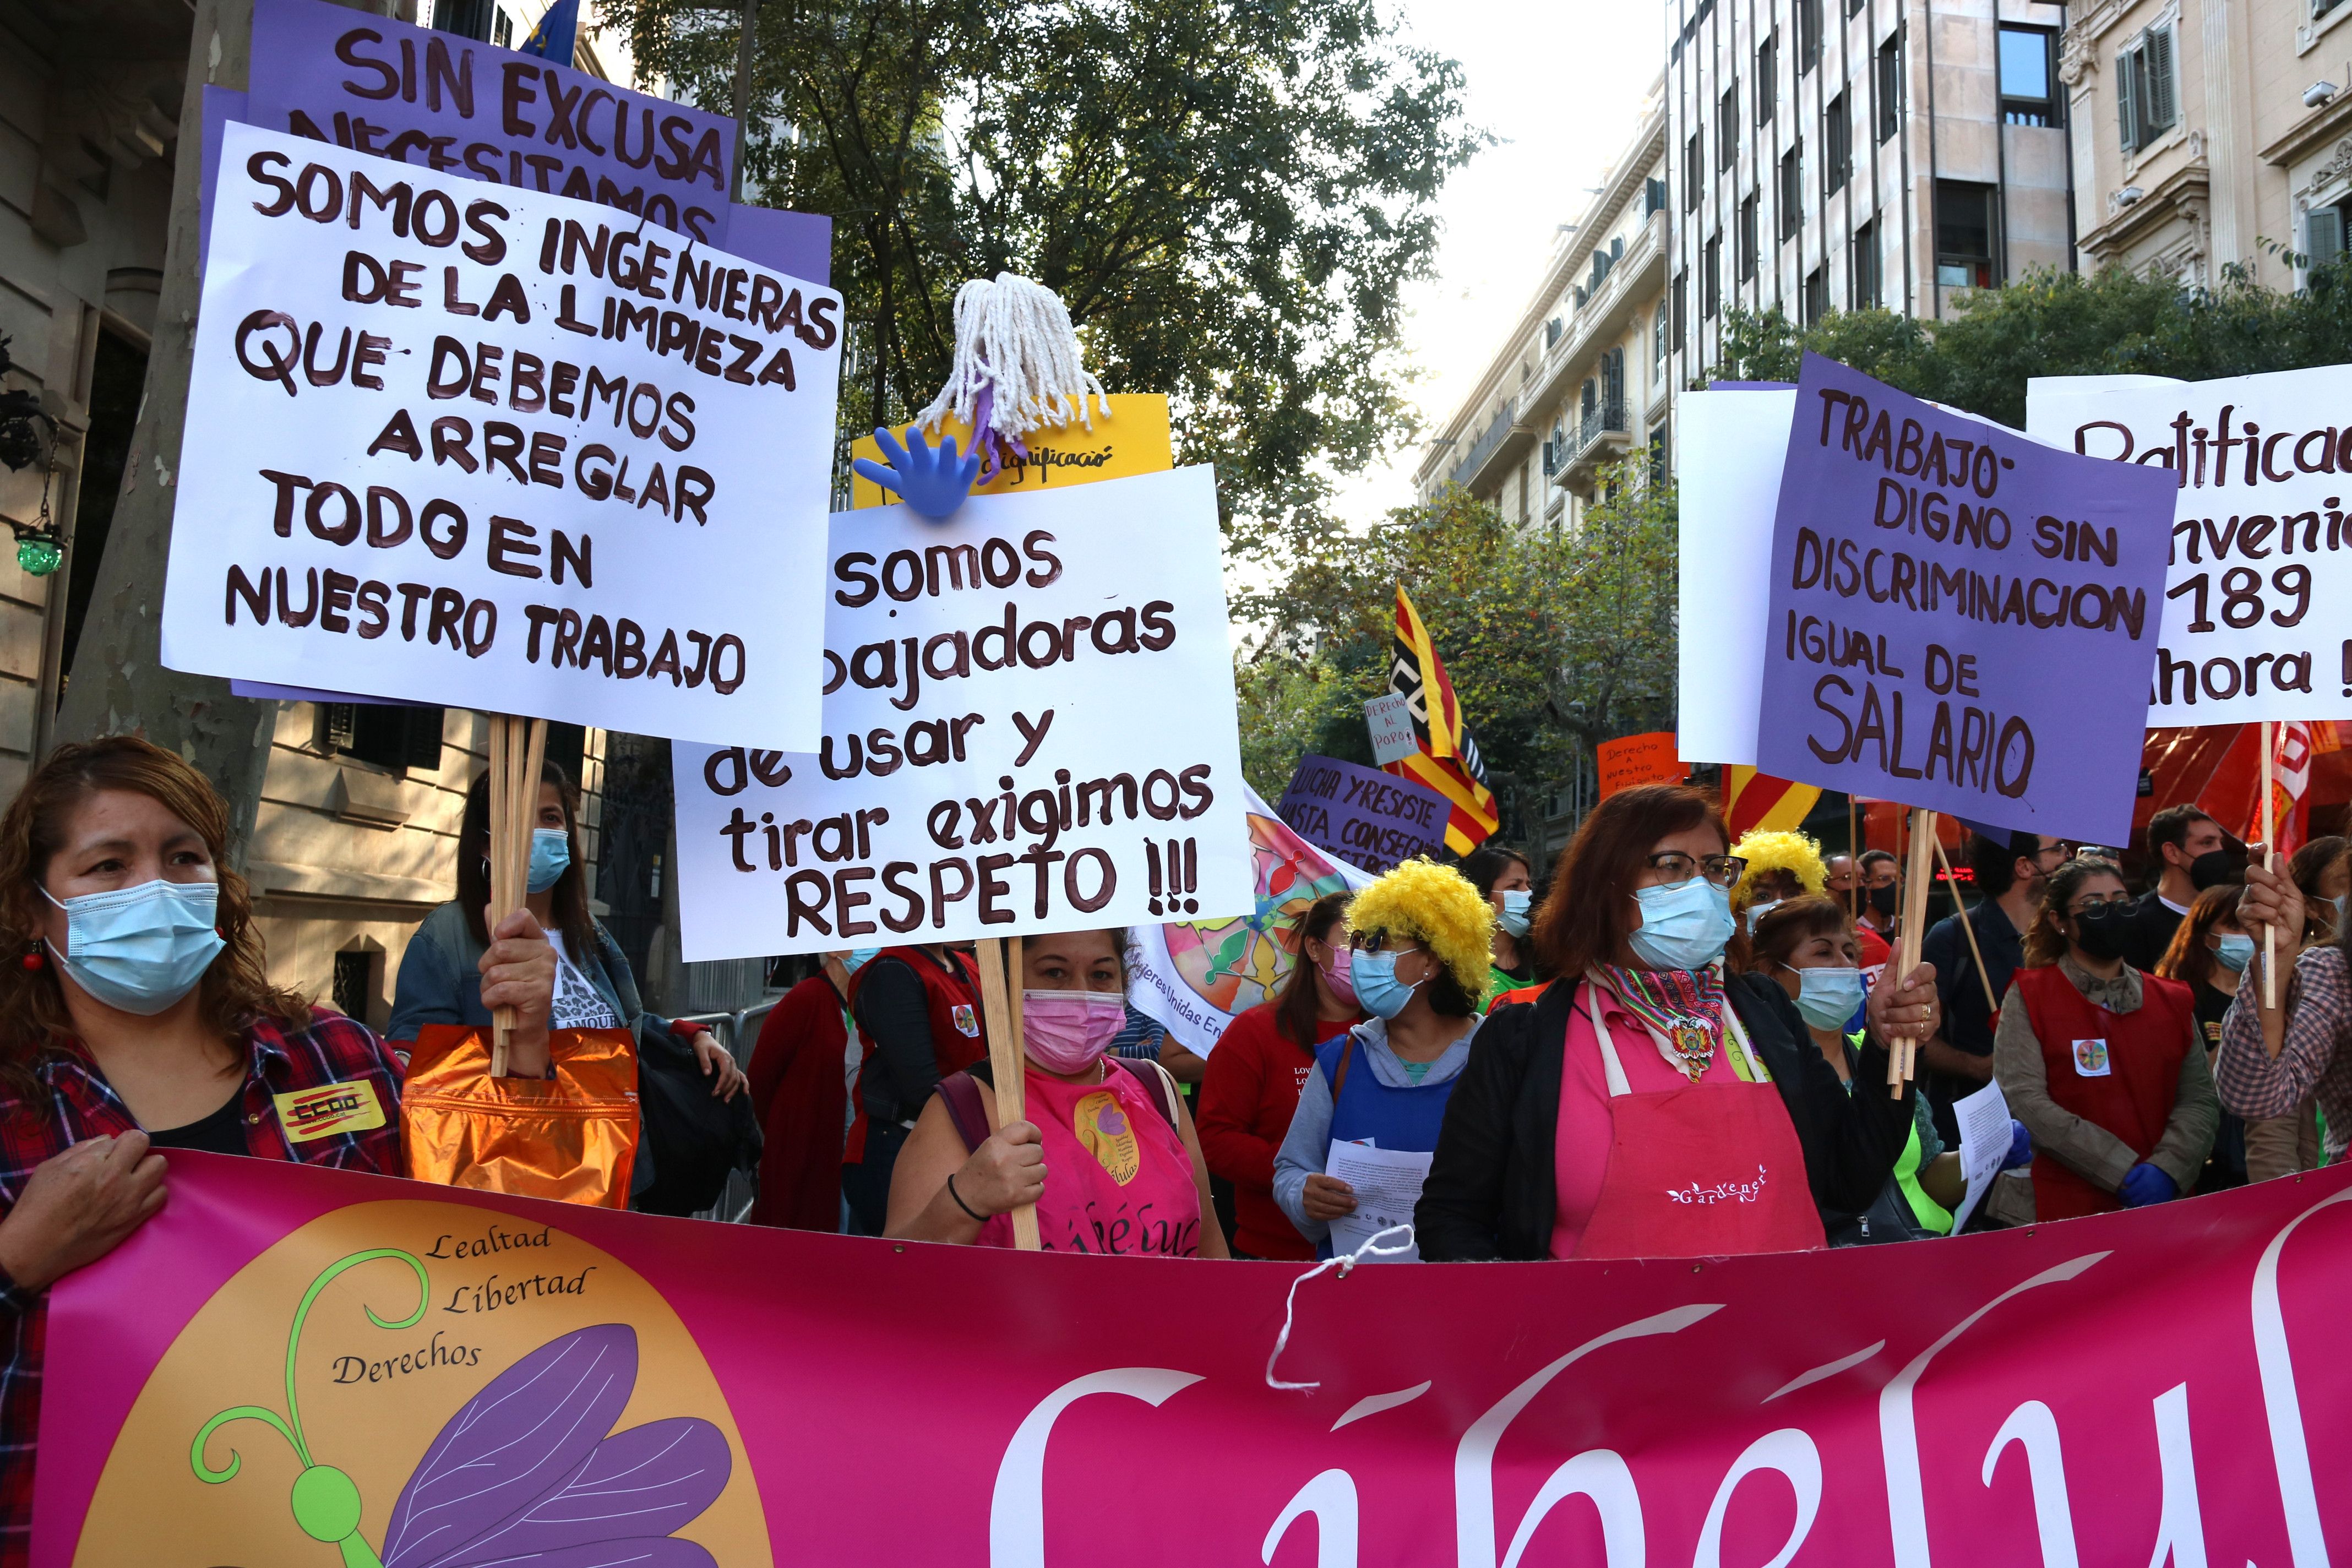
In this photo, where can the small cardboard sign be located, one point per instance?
(1371, 819)
(1389, 719)
(1639, 760)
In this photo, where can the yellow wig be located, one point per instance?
(1435, 906)
(1765, 852)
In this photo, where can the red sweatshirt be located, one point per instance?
(800, 1093)
(1248, 1099)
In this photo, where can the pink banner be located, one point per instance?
(479, 1380)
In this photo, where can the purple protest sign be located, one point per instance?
(1962, 619)
(442, 100)
(1367, 818)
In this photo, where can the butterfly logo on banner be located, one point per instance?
(1234, 964)
(524, 1469)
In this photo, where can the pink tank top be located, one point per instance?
(1580, 1147)
(1117, 1177)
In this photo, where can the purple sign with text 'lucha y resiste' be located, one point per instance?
(1367, 818)
(1962, 619)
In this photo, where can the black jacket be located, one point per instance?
(1492, 1192)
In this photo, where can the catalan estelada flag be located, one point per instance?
(1752, 800)
(1448, 760)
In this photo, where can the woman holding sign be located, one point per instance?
(1614, 1118)
(1106, 1153)
(2104, 1065)
(137, 1016)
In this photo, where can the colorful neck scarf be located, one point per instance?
(1682, 1008)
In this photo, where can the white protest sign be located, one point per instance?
(487, 448)
(1389, 719)
(2254, 627)
(1729, 479)
(1029, 726)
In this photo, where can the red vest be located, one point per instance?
(957, 1039)
(2133, 1099)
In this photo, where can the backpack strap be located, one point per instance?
(1339, 1078)
(959, 1092)
(1158, 1083)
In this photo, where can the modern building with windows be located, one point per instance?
(1581, 379)
(2211, 137)
(1840, 154)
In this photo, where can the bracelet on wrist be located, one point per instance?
(977, 1217)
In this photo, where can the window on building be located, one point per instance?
(1692, 173)
(1964, 234)
(387, 734)
(1710, 277)
(1726, 127)
(1864, 272)
(1768, 79)
(2322, 8)
(1837, 144)
(1748, 247)
(1658, 338)
(1809, 35)
(1792, 190)
(354, 984)
(2323, 236)
(1890, 85)
(2027, 72)
(474, 19)
(1817, 295)
(1682, 305)
(1658, 455)
(2148, 98)
(1653, 196)
(1853, 7)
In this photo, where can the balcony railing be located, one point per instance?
(1602, 419)
(1488, 439)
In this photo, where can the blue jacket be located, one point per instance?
(1379, 1101)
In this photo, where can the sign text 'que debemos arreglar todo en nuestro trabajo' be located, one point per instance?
(1962, 618)
(461, 444)
(1029, 726)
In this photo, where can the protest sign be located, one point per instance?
(1389, 719)
(1367, 818)
(1133, 440)
(444, 103)
(1028, 727)
(2259, 547)
(1961, 617)
(1197, 976)
(2153, 1385)
(472, 447)
(1729, 483)
(1638, 760)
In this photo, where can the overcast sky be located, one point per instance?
(1560, 81)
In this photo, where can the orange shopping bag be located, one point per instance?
(572, 1138)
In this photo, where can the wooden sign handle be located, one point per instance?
(1992, 1003)
(518, 755)
(2270, 863)
(1902, 1055)
(1000, 1005)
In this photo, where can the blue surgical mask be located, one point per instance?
(858, 958)
(550, 854)
(1683, 926)
(140, 949)
(1378, 989)
(2236, 951)
(1518, 909)
(2343, 902)
(1828, 997)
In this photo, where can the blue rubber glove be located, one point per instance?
(933, 483)
(2020, 1147)
(2145, 1185)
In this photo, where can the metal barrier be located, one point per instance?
(738, 1031)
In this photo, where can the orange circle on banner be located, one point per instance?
(372, 1400)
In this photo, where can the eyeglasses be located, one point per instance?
(2098, 901)
(1376, 942)
(1673, 866)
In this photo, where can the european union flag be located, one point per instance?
(553, 38)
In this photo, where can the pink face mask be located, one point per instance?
(1341, 976)
(1068, 1031)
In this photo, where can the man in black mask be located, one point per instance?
(1882, 890)
(2008, 873)
(2187, 845)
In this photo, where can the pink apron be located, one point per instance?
(1117, 1177)
(1704, 1170)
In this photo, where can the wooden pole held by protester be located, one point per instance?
(2270, 863)
(1992, 1003)
(1902, 1055)
(1854, 891)
(517, 754)
(1000, 1005)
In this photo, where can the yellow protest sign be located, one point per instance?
(1133, 440)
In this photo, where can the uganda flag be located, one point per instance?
(1752, 801)
(1448, 760)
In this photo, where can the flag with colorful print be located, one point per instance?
(1752, 800)
(2291, 752)
(1448, 761)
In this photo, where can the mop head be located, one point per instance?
(1017, 367)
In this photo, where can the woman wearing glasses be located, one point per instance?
(1419, 938)
(1653, 1104)
(2105, 1066)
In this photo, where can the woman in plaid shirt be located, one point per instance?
(135, 1014)
(2271, 1059)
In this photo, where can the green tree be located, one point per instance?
(1227, 194)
